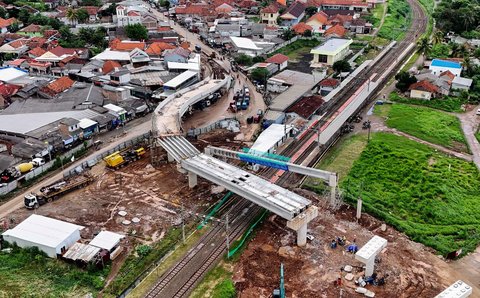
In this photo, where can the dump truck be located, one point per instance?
(57, 189)
(122, 158)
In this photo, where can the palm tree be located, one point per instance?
(72, 15)
(455, 49)
(467, 65)
(424, 46)
(438, 37)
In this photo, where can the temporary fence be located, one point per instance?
(228, 123)
(92, 161)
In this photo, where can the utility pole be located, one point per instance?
(183, 225)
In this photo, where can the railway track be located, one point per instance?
(208, 250)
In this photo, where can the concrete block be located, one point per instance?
(369, 294)
(347, 268)
(361, 290)
(349, 276)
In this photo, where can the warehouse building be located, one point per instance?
(52, 236)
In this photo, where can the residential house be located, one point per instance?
(301, 28)
(31, 30)
(318, 21)
(337, 31)
(355, 5)
(423, 90)
(5, 24)
(119, 112)
(92, 13)
(126, 45)
(127, 16)
(36, 52)
(156, 48)
(16, 47)
(176, 55)
(139, 57)
(460, 83)
(246, 46)
(88, 127)
(58, 86)
(438, 66)
(149, 21)
(59, 54)
(120, 77)
(327, 86)
(224, 8)
(280, 60)
(331, 51)
(270, 14)
(271, 68)
(359, 26)
(294, 14)
(110, 66)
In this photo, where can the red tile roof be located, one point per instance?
(301, 27)
(133, 13)
(157, 48)
(128, 45)
(37, 52)
(164, 29)
(320, 17)
(7, 90)
(16, 62)
(18, 43)
(330, 82)
(447, 73)
(7, 22)
(247, 3)
(58, 86)
(60, 51)
(307, 106)
(109, 66)
(272, 8)
(32, 28)
(337, 30)
(424, 86)
(340, 19)
(50, 33)
(36, 42)
(92, 10)
(277, 59)
(345, 2)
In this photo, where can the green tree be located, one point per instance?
(243, 59)
(165, 3)
(404, 80)
(477, 53)
(423, 46)
(310, 11)
(288, 34)
(341, 66)
(82, 15)
(136, 32)
(72, 15)
(260, 75)
(438, 37)
(307, 33)
(111, 10)
(3, 13)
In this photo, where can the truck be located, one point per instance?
(57, 189)
(122, 158)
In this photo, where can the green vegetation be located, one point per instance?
(216, 284)
(243, 59)
(458, 16)
(448, 104)
(340, 160)
(94, 39)
(427, 124)
(429, 196)
(260, 75)
(341, 66)
(377, 13)
(135, 265)
(30, 273)
(397, 20)
(297, 48)
(411, 62)
(136, 32)
(477, 135)
(428, 6)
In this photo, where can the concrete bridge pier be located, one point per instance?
(192, 179)
(300, 222)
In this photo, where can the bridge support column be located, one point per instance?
(299, 224)
(332, 182)
(192, 179)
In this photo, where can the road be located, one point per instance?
(469, 122)
(17, 202)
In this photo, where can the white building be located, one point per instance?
(246, 46)
(51, 236)
(331, 51)
(439, 66)
(461, 83)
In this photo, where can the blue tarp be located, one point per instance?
(263, 161)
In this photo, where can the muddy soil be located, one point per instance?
(410, 269)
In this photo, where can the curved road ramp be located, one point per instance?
(168, 134)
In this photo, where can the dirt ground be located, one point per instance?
(410, 269)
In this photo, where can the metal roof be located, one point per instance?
(43, 230)
(244, 43)
(331, 46)
(271, 136)
(180, 79)
(445, 63)
(106, 240)
(80, 251)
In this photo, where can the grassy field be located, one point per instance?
(377, 14)
(297, 48)
(397, 19)
(29, 273)
(427, 124)
(216, 284)
(429, 196)
(448, 104)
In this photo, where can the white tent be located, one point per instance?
(49, 235)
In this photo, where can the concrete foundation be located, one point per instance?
(170, 157)
(192, 179)
(300, 222)
(368, 253)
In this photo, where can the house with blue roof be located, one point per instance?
(439, 66)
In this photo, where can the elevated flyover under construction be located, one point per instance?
(167, 132)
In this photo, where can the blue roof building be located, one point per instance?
(438, 66)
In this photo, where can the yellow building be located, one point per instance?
(331, 51)
(270, 14)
